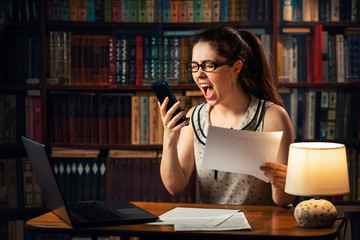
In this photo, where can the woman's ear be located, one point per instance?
(237, 67)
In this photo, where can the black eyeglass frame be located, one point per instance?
(202, 65)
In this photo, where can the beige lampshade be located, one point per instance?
(317, 169)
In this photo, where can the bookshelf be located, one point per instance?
(42, 23)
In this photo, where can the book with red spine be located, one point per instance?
(317, 54)
(116, 10)
(139, 60)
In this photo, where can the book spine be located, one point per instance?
(135, 120)
(139, 60)
(125, 11)
(112, 60)
(142, 10)
(317, 61)
(103, 119)
(121, 119)
(108, 11)
(144, 119)
(112, 119)
(166, 11)
(3, 184)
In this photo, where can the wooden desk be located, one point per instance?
(267, 222)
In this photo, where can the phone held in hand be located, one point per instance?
(163, 90)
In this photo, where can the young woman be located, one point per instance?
(231, 70)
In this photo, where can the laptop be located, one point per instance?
(79, 214)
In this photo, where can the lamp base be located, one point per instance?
(315, 213)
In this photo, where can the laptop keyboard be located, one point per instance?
(93, 212)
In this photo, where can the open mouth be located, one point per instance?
(207, 90)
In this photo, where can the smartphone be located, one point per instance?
(163, 90)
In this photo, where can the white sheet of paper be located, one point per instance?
(240, 151)
(204, 219)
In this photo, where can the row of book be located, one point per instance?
(21, 116)
(19, 11)
(109, 60)
(320, 10)
(19, 57)
(135, 175)
(81, 174)
(18, 185)
(319, 57)
(150, 11)
(329, 114)
(121, 175)
(122, 58)
(108, 118)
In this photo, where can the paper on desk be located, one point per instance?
(203, 219)
(240, 151)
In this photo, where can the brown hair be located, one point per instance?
(255, 76)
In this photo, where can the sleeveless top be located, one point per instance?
(218, 187)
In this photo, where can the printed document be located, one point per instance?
(240, 151)
(204, 219)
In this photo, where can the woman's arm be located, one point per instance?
(178, 160)
(277, 119)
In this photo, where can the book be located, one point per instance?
(224, 9)
(112, 60)
(207, 10)
(317, 54)
(125, 11)
(287, 10)
(324, 57)
(82, 10)
(73, 7)
(3, 183)
(174, 11)
(108, 10)
(103, 119)
(340, 58)
(144, 119)
(331, 115)
(135, 120)
(153, 120)
(28, 183)
(182, 11)
(90, 10)
(139, 60)
(324, 114)
(150, 11)
(112, 109)
(120, 119)
(142, 10)
(309, 114)
(37, 114)
(72, 118)
(11, 181)
(198, 11)
(166, 11)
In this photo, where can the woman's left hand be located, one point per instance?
(276, 173)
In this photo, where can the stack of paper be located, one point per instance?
(204, 219)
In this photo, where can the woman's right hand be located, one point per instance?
(171, 130)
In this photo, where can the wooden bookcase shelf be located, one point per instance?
(43, 27)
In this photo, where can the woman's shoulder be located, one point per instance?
(276, 116)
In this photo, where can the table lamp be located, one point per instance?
(316, 169)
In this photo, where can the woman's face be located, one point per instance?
(215, 85)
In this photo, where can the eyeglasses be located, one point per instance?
(206, 66)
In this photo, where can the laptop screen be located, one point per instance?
(46, 178)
